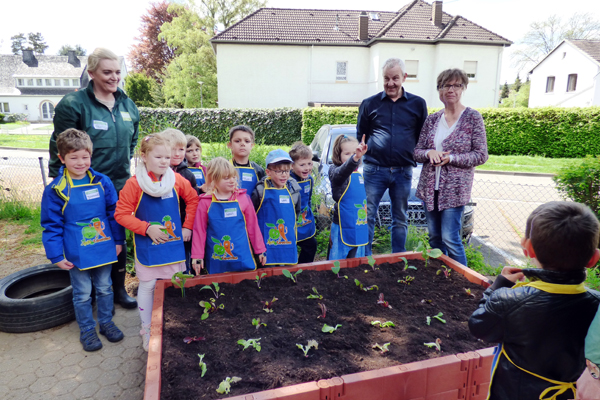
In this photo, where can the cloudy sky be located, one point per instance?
(115, 23)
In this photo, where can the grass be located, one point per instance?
(25, 141)
(45, 128)
(11, 125)
(23, 214)
(527, 164)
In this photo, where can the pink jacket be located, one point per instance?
(201, 222)
(468, 146)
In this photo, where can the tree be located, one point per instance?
(34, 41)
(228, 12)
(151, 55)
(544, 36)
(517, 84)
(139, 87)
(504, 92)
(64, 50)
(18, 43)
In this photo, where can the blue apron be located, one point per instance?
(199, 175)
(88, 241)
(306, 220)
(277, 221)
(227, 244)
(352, 212)
(248, 178)
(159, 211)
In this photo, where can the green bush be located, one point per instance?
(314, 118)
(581, 183)
(1, 117)
(274, 127)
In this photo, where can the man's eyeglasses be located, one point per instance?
(279, 172)
(456, 86)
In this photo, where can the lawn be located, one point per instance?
(11, 125)
(527, 164)
(25, 141)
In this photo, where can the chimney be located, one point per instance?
(436, 13)
(363, 26)
(73, 59)
(29, 59)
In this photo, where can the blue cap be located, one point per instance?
(277, 156)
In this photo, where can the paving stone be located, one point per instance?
(28, 367)
(134, 353)
(52, 357)
(43, 384)
(69, 372)
(71, 359)
(111, 363)
(108, 393)
(132, 331)
(135, 341)
(74, 347)
(64, 386)
(46, 370)
(67, 396)
(131, 380)
(131, 322)
(111, 377)
(8, 366)
(22, 381)
(20, 394)
(89, 374)
(91, 360)
(131, 366)
(112, 349)
(86, 390)
(132, 394)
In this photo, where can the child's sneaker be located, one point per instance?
(90, 341)
(145, 332)
(112, 333)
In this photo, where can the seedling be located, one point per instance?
(225, 386)
(371, 261)
(202, 365)
(365, 288)
(179, 279)
(215, 290)
(209, 308)
(255, 343)
(190, 339)
(268, 305)
(428, 253)
(468, 292)
(439, 317)
(383, 302)
(323, 310)
(289, 274)
(330, 329)
(316, 294)
(428, 320)
(383, 348)
(387, 324)
(445, 270)
(258, 279)
(407, 280)
(309, 345)
(437, 344)
(256, 323)
(406, 266)
(336, 269)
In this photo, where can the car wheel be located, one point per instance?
(36, 298)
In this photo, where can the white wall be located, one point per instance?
(563, 61)
(18, 104)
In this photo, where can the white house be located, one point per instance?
(33, 84)
(297, 58)
(569, 76)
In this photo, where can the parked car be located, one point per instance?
(322, 146)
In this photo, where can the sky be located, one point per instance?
(114, 24)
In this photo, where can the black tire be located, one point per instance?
(36, 298)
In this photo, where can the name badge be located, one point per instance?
(230, 212)
(307, 189)
(125, 115)
(91, 194)
(103, 126)
(246, 176)
(198, 174)
(167, 195)
(361, 180)
(283, 199)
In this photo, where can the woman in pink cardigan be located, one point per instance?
(452, 143)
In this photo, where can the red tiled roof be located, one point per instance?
(411, 23)
(590, 47)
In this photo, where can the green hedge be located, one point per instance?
(275, 127)
(314, 118)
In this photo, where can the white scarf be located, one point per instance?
(154, 189)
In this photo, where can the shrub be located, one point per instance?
(314, 118)
(1, 117)
(15, 117)
(581, 183)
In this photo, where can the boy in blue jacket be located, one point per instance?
(81, 235)
(541, 326)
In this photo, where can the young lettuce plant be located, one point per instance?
(437, 344)
(387, 324)
(179, 279)
(316, 294)
(323, 311)
(290, 275)
(406, 266)
(383, 348)
(428, 253)
(309, 345)
(382, 302)
(438, 317)
(258, 279)
(330, 329)
(268, 305)
(215, 290)
(256, 323)
(336, 269)
(225, 386)
(255, 343)
(371, 261)
(365, 288)
(202, 365)
(446, 271)
(209, 308)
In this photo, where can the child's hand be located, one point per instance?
(361, 149)
(513, 274)
(263, 259)
(197, 265)
(187, 234)
(119, 248)
(154, 232)
(64, 264)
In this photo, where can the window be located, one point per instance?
(4, 107)
(20, 82)
(374, 16)
(470, 68)
(57, 82)
(29, 82)
(48, 82)
(75, 82)
(550, 84)
(66, 82)
(25, 107)
(412, 68)
(572, 83)
(341, 71)
(39, 82)
(47, 110)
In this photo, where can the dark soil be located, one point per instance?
(294, 320)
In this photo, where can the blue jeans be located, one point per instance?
(444, 232)
(340, 251)
(398, 180)
(82, 289)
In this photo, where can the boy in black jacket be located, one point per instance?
(541, 326)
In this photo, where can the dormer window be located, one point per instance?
(20, 82)
(373, 16)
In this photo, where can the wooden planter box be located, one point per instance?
(460, 376)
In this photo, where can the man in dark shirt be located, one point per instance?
(391, 122)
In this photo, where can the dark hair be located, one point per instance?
(563, 234)
(300, 150)
(336, 155)
(453, 74)
(242, 128)
(73, 140)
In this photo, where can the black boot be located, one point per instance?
(118, 280)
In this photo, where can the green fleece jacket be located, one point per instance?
(114, 134)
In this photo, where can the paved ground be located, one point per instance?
(51, 364)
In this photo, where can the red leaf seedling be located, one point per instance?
(215, 290)
(330, 329)
(407, 280)
(469, 293)
(309, 345)
(383, 348)
(256, 323)
(255, 343)
(365, 288)
(268, 305)
(437, 344)
(258, 279)
(382, 302)
(323, 310)
(446, 271)
(202, 365)
(190, 339)
(315, 294)
(209, 308)
(336, 269)
(179, 279)
(290, 275)
(225, 386)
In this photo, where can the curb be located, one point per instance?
(514, 173)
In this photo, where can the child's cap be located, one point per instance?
(277, 156)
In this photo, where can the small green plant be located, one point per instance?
(445, 270)
(215, 290)
(469, 293)
(179, 279)
(309, 345)
(437, 344)
(365, 288)
(428, 320)
(288, 274)
(330, 329)
(315, 294)
(255, 343)
(438, 317)
(476, 261)
(336, 269)
(428, 253)
(225, 386)
(202, 365)
(384, 348)
(382, 302)
(323, 311)
(258, 279)
(209, 308)
(407, 280)
(387, 324)
(593, 278)
(256, 323)
(406, 266)
(268, 305)
(371, 261)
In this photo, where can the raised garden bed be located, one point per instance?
(334, 366)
